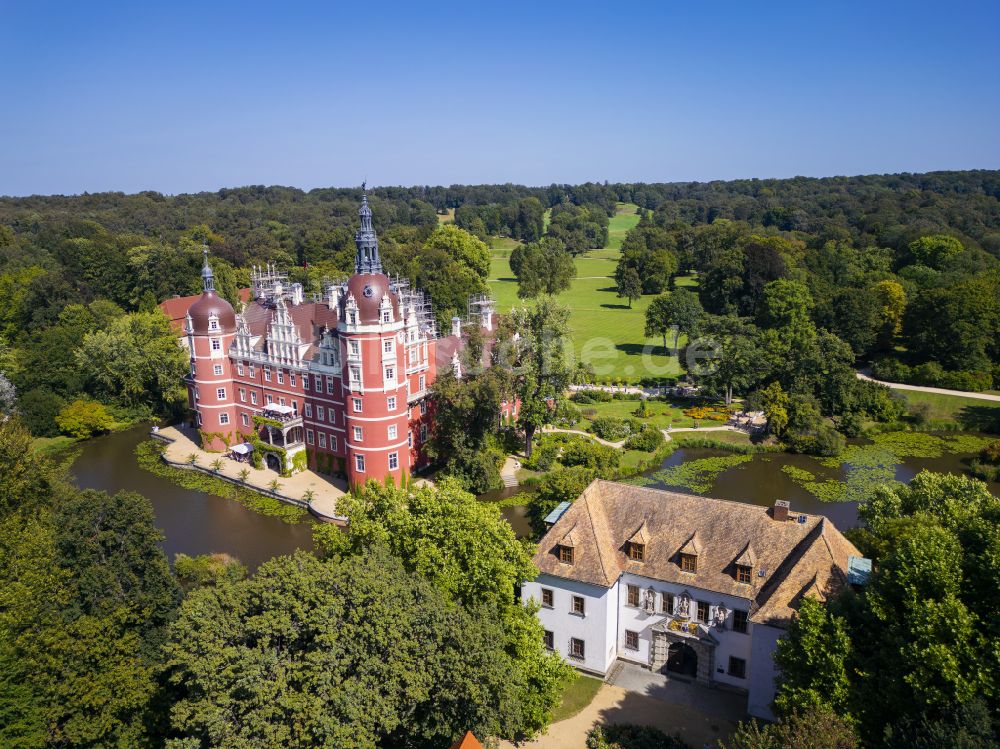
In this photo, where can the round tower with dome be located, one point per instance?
(371, 323)
(210, 326)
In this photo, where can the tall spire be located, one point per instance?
(207, 277)
(367, 259)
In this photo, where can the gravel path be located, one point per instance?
(925, 389)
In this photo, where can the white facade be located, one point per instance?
(609, 617)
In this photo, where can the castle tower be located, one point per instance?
(373, 366)
(210, 327)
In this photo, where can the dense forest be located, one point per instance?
(898, 270)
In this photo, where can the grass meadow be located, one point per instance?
(604, 331)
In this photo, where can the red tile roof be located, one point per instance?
(467, 742)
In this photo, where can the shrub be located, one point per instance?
(582, 396)
(850, 424)
(39, 410)
(583, 452)
(84, 418)
(821, 440)
(566, 414)
(649, 439)
(611, 428)
(626, 736)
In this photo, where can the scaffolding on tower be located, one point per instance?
(420, 301)
(268, 283)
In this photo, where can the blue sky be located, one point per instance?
(181, 97)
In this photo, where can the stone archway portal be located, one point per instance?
(682, 660)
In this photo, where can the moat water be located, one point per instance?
(195, 522)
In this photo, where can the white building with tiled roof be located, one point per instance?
(690, 586)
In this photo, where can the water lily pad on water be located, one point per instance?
(699, 475)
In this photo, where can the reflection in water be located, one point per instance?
(193, 522)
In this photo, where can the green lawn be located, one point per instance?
(664, 415)
(446, 218)
(604, 331)
(971, 413)
(51, 445)
(624, 219)
(579, 693)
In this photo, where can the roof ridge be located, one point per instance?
(593, 529)
(688, 495)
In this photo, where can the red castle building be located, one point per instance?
(341, 380)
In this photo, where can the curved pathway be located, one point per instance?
(594, 437)
(926, 389)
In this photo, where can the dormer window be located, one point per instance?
(744, 564)
(352, 318)
(213, 323)
(688, 554)
(635, 547)
(565, 546)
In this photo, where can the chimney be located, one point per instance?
(456, 326)
(780, 511)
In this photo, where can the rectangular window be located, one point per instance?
(421, 383)
(423, 407)
(291, 379)
(636, 552)
(322, 439)
(737, 667)
(409, 438)
(743, 573)
(547, 598)
(281, 377)
(243, 395)
(239, 368)
(253, 397)
(356, 404)
(386, 316)
(245, 419)
(309, 410)
(333, 442)
(358, 434)
(305, 382)
(390, 403)
(359, 463)
(387, 346)
(253, 372)
(633, 595)
(268, 398)
(548, 639)
(220, 393)
(310, 437)
(667, 603)
(329, 383)
(703, 611)
(423, 433)
(267, 374)
(740, 621)
(216, 344)
(320, 413)
(392, 431)
(689, 563)
(576, 649)
(393, 461)
(281, 401)
(223, 418)
(390, 374)
(217, 369)
(319, 383)
(566, 554)
(331, 415)
(631, 640)
(579, 607)
(355, 349)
